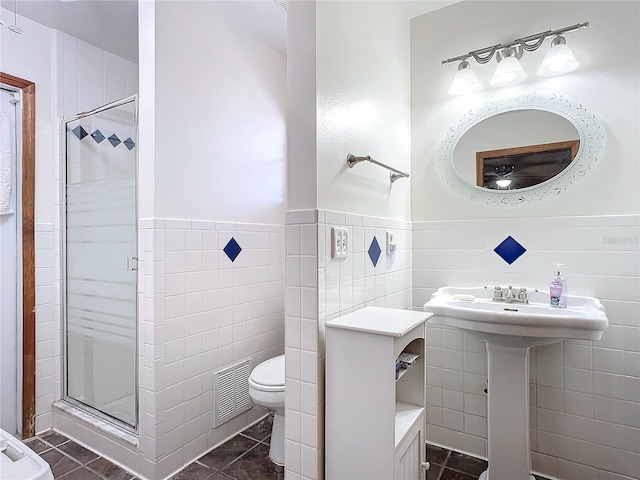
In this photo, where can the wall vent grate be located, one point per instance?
(231, 392)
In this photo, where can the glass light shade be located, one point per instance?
(557, 61)
(503, 182)
(465, 81)
(508, 72)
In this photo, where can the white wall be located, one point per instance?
(607, 82)
(585, 396)
(32, 56)
(350, 94)
(302, 181)
(212, 123)
(201, 312)
(363, 103)
(220, 119)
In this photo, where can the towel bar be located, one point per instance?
(393, 175)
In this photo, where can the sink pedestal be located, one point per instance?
(508, 413)
(509, 330)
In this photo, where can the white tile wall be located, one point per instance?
(585, 400)
(320, 288)
(303, 432)
(47, 324)
(201, 312)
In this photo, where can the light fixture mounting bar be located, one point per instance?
(524, 42)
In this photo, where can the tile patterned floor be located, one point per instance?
(449, 465)
(243, 457)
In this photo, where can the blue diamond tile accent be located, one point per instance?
(80, 132)
(374, 251)
(129, 143)
(114, 140)
(98, 136)
(509, 250)
(232, 249)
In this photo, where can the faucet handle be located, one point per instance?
(522, 294)
(497, 293)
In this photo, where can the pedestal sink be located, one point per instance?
(509, 328)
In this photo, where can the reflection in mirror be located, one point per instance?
(510, 122)
(516, 146)
(522, 167)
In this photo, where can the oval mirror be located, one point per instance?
(520, 149)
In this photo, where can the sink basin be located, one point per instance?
(517, 324)
(509, 329)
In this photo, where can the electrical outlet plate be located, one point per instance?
(339, 242)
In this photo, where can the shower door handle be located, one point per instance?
(132, 264)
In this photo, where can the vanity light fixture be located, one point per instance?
(509, 71)
(559, 59)
(503, 182)
(465, 80)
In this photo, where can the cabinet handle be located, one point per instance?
(426, 465)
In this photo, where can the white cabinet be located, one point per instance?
(375, 424)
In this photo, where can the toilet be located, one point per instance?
(266, 388)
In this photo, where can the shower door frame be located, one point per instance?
(63, 235)
(27, 225)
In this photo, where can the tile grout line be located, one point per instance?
(239, 457)
(80, 464)
(444, 465)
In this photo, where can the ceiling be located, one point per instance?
(113, 24)
(109, 24)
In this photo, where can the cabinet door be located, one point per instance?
(410, 455)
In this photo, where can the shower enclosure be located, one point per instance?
(100, 262)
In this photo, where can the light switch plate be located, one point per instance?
(390, 242)
(339, 242)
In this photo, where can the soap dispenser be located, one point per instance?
(558, 289)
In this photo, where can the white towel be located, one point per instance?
(6, 164)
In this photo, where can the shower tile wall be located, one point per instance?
(585, 396)
(320, 288)
(84, 77)
(90, 77)
(201, 312)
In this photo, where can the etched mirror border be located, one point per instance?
(592, 143)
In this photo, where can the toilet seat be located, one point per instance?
(269, 375)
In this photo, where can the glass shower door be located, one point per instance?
(100, 262)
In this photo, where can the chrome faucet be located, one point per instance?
(511, 296)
